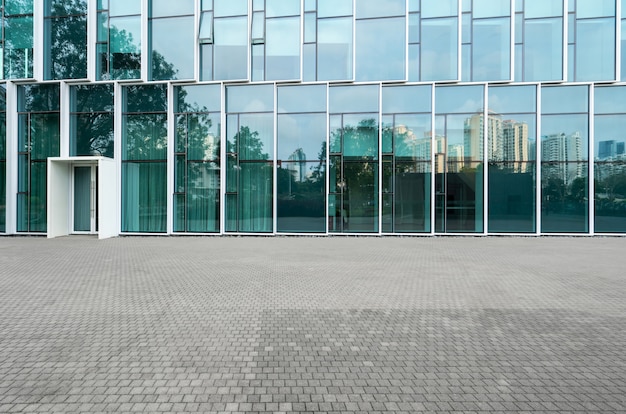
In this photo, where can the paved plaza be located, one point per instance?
(313, 324)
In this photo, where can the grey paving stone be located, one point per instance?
(328, 324)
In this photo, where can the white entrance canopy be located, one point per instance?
(60, 195)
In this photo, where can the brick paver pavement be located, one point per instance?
(318, 325)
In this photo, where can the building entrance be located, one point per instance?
(85, 199)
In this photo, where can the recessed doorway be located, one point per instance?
(85, 199)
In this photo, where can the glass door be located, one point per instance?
(85, 199)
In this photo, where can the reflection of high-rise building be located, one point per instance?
(566, 151)
(515, 144)
(298, 165)
(610, 149)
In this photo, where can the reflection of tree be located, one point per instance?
(560, 196)
(18, 39)
(67, 33)
(247, 144)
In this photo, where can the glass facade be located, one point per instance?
(320, 116)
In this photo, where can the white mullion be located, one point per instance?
(64, 119)
(170, 167)
(538, 203)
(590, 157)
(223, 160)
(11, 158)
(145, 40)
(118, 139)
(485, 158)
(433, 144)
(275, 163)
(92, 38)
(380, 161)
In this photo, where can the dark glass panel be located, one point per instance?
(18, 47)
(146, 98)
(464, 193)
(92, 134)
(37, 214)
(145, 137)
(255, 197)
(203, 187)
(144, 197)
(360, 197)
(67, 52)
(412, 189)
(45, 136)
(34, 98)
(512, 197)
(92, 98)
(301, 202)
(564, 197)
(610, 196)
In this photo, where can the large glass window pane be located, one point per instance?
(66, 40)
(359, 209)
(513, 99)
(124, 7)
(198, 98)
(439, 49)
(146, 98)
(358, 98)
(125, 47)
(172, 48)
(491, 50)
(255, 197)
(458, 99)
(230, 7)
(543, 8)
(360, 136)
(202, 211)
(144, 197)
(439, 8)
(331, 8)
(595, 49)
(380, 49)
(255, 98)
(18, 47)
(290, 98)
(595, 8)
(511, 197)
(411, 137)
(302, 136)
(278, 8)
(562, 99)
(145, 137)
(91, 120)
(255, 138)
(282, 49)
(398, 99)
(231, 48)
(334, 49)
(380, 8)
(164, 8)
(490, 8)
(543, 49)
(623, 49)
(301, 202)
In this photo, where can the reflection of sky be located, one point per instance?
(609, 127)
(301, 131)
(512, 99)
(458, 99)
(360, 98)
(380, 49)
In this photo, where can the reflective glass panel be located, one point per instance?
(301, 137)
(256, 98)
(610, 100)
(360, 136)
(543, 8)
(543, 49)
(255, 197)
(458, 99)
(125, 46)
(414, 98)
(164, 8)
(224, 8)
(255, 137)
(282, 49)
(503, 99)
(595, 49)
(278, 8)
(146, 98)
(331, 8)
(439, 8)
(145, 137)
(290, 98)
(380, 8)
(358, 98)
(199, 98)
(623, 49)
(490, 8)
(92, 134)
(412, 136)
(595, 8)
(512, 197)
(438, 55)
(144, 197)
(301, 204)
(334, 49)
(491, 50)
(564, 99)
(380, 49)
(172, 48)
(13, 7)
(231, 48)
(124, 7)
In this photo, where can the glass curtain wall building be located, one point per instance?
(312, 117)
